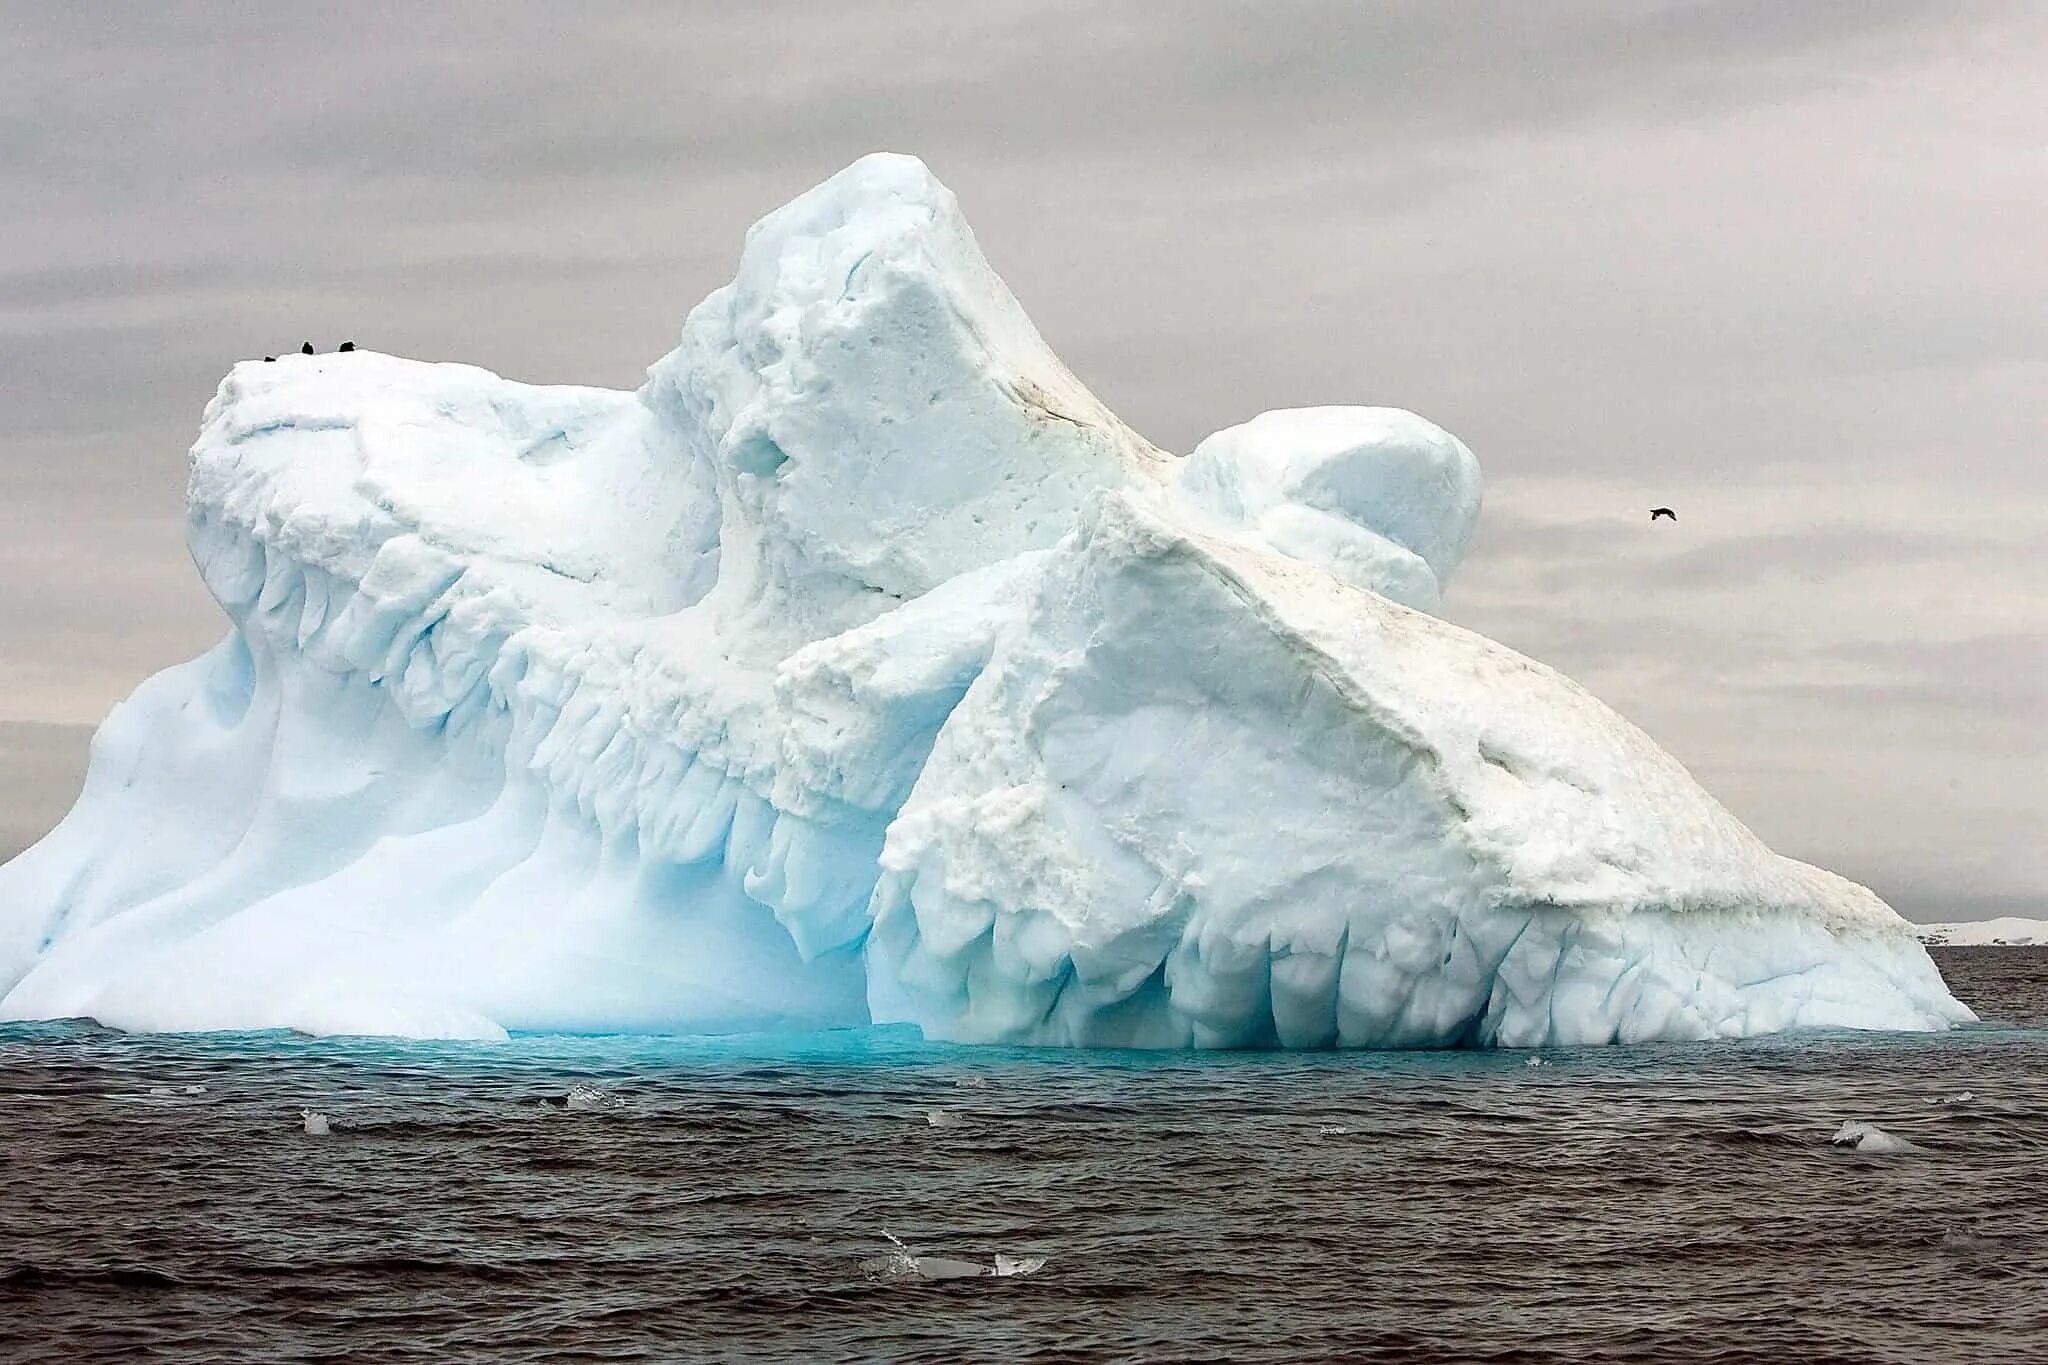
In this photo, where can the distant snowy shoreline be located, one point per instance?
(2011, 931)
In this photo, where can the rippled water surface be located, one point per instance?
(160, 1199)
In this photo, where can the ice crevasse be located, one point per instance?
(862, 666)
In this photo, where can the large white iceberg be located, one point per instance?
(864, 666)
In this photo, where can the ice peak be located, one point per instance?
(875, 400)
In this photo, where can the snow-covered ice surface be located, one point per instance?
(2008, 931)
(863, 666)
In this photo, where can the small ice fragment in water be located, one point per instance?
(586, 1097)
(1964, 1098)
(1972, 1239)
(1331, 1130)
(940, 1118)
(902, 1264)
(972, 1082)
(159, 1090)
(1535, 1061)
(195, 1090)
(316, 1122)
(1868, 1137)
(947, 1268)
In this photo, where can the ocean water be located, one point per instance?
(161, 1200)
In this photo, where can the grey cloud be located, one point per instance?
(799, 75)
(478, 91)
(1989, 684)
(41, 767)
(1624, 551)
(1805, 555)
(1879, 700)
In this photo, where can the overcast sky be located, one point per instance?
(1778, 265)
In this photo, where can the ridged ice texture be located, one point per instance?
(1206, 795)
(863, 666)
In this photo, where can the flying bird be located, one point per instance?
(1666, 512)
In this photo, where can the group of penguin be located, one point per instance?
(306, 348)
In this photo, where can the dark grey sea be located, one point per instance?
(629, 1199)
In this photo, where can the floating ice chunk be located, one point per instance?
(585, 1097)
(1868, 1137)
(944, 1118)
(1535, 1061)
(1965, 1097)
(902, 1263)
(161, 1090)
(316, 1123)
(946, 1268)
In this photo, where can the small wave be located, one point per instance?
(1756, 1137)
(33, 1276)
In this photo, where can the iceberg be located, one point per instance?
(2007, 931)
(862, 667)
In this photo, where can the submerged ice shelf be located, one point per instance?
(862, 666)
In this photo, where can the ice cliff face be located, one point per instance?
(862, 665)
